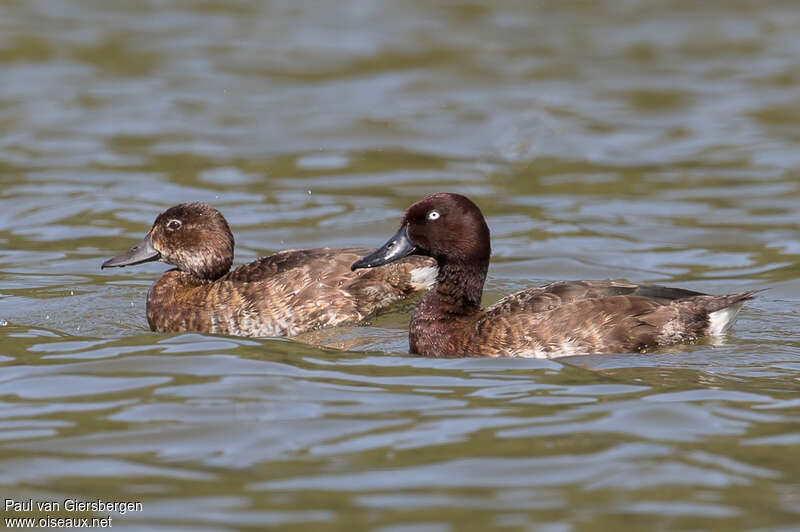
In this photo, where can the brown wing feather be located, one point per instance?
(617, 323)
(553, 295)
(283, 261)
(605, 324)
(284, 294)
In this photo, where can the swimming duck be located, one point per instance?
(562, 318)
(283, 294)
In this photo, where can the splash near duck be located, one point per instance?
(558, 319)
(284, 294)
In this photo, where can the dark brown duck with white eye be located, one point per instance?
(285, 294)
(564, 318)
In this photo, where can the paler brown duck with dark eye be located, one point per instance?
(285, 294)
(563, 318)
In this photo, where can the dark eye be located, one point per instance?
(174, 225)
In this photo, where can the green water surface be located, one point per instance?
(651, 141)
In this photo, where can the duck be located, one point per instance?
(557, 319)
(284, 294)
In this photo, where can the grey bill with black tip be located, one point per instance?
(141, 252)
(396, 248)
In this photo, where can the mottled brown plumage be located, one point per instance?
(564, 318)
(284, 294)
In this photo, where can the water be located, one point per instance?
(651, 141)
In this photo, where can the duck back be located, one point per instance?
(580, 317)
(284, 294)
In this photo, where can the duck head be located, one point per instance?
(448, 227)
(194, 237)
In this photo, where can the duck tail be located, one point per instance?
(413, 274)
(722, 311)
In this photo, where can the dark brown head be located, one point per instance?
(448, 227)
(194, 237)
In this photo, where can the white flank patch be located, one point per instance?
(424, 277)
(721, 320)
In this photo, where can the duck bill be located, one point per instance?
(396, 248)
(141, 252)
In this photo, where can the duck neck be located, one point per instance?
(206, 266)
(458, 288)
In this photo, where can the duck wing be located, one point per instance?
(315, 258)
(335, 262)
(294, 291)
(612, 324)
(554, 295)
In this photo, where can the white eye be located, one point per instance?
(433, 215)
(172, 225)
